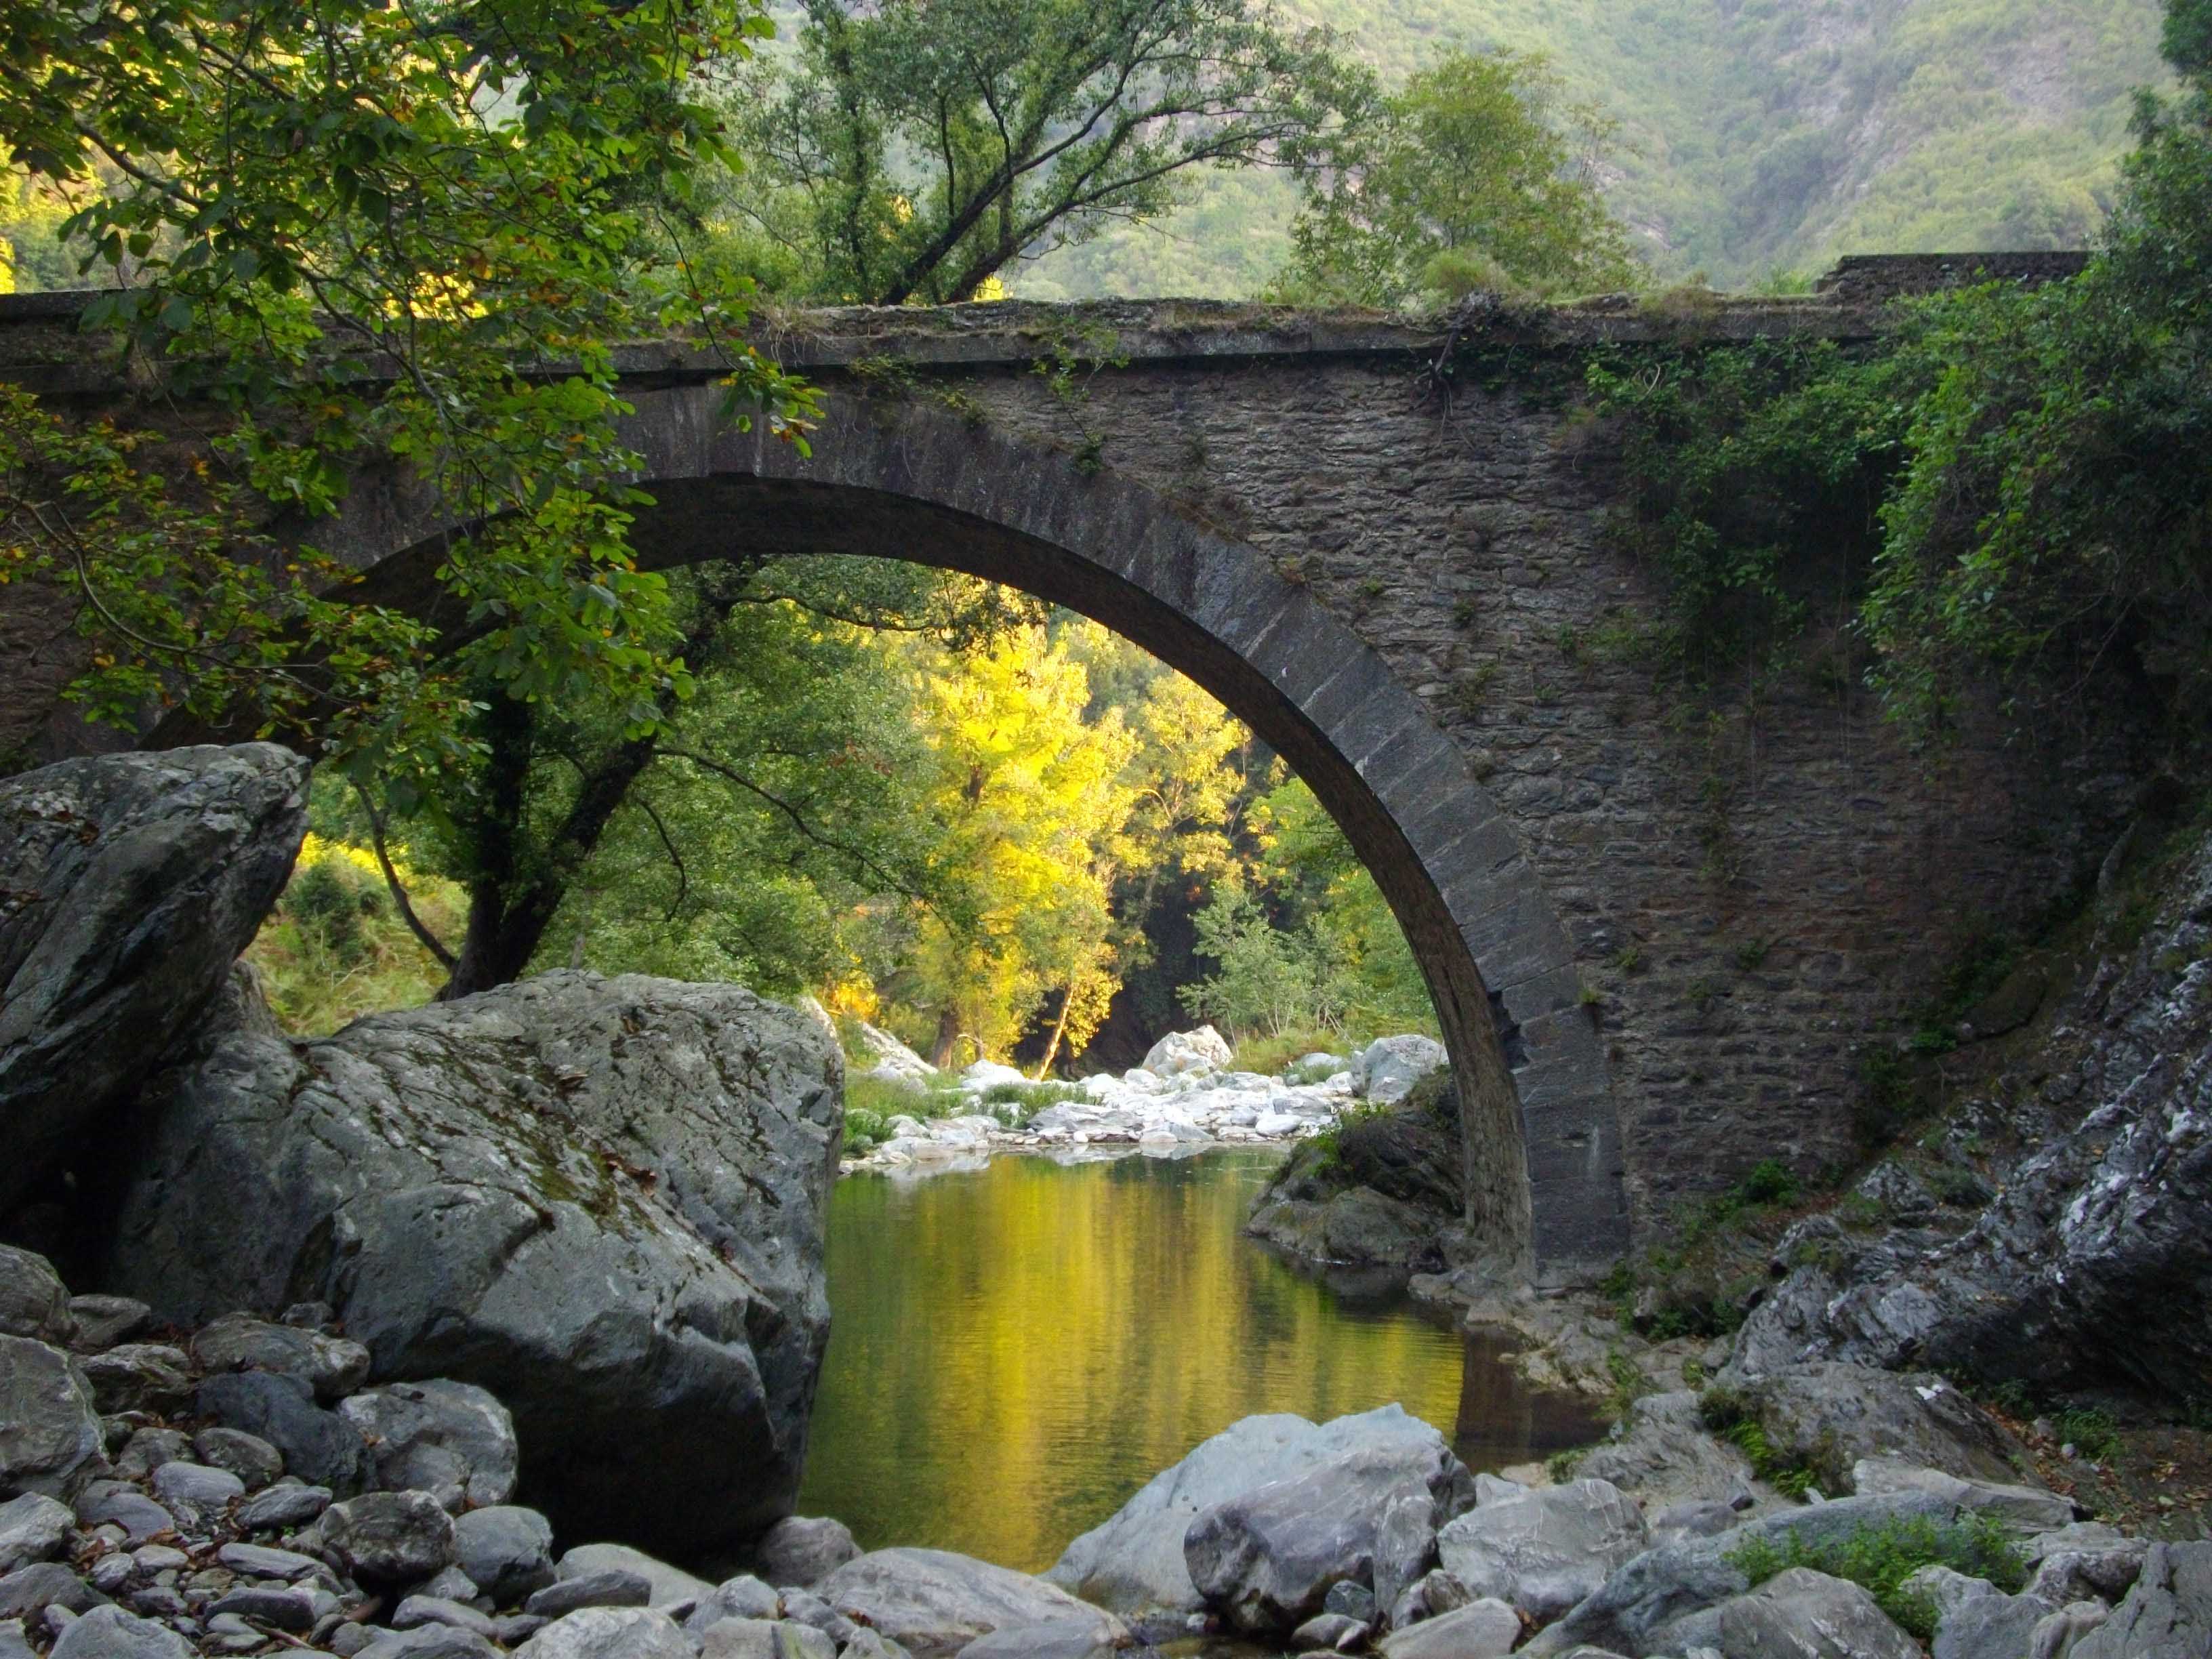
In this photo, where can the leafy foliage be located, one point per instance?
(913, 152)
(1474, 176)
(1879, 1558)
(368, 229)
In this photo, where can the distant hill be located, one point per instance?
(1759, 136)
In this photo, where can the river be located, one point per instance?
(1015, 1350)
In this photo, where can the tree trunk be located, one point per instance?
(948, 1037)
(1059, 1030)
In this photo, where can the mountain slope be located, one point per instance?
(1757, 135)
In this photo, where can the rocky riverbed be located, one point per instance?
(1185, 1097)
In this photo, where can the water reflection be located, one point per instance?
(1017, 1349)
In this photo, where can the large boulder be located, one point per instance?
(2168, 1614)
(599, 1199)
(1266, 1560)
(1545, 1550)
(2093, 1264)
(1189, 1054)
(50, 1437)
(1387, 1068)
(129, 884)
(934, 1603)
(1827, 1415)
(1134, 1562)
(1665, 1456)
(1379, 1191)
(32, 1300)
(1810, 1615)
(451, 1439)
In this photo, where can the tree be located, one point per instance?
(1475, 175)
(2051, 533)
(369, 230)
(1035, 801)
(913, 151)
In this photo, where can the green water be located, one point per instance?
(1014, 1350)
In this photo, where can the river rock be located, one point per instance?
(318, 1446)
(1062, 1638)
(599, 1198)
(139, 1377)
(670, 1587)
(2025, 1508)
(32, 1528)
(611, 1633)
(109, 1632)
(452, 1439)
(609, 1587)
(1387, 1068)
(1189, 1054)
(1546, 1550)
(1664, 1599)
(28, 1591)
(804, 1550)
(1134, 1562)
(934, 1603)
(428, 1642)
(507, 1550)
(50, 1433)
(1827, 1415)
(119, 1504)
(2090, 1266)
(104, 1321)
(1265, 1560)
(331, 1365)
(390, 1537)
(2168, 1614)
(34, 1301)
(195, 1493)
(1666, 1456)
(742, 1597)
(1990, 1626)
(1810, 1615)
(764, 1639)
(248, 1456)
(133, 881)
(1481, 1629)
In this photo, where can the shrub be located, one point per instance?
(1879, 1559)
(2090, 1432)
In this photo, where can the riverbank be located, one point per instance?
(1186, 1097)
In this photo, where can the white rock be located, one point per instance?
(1180, 1054)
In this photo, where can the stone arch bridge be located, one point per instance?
(1661, 938)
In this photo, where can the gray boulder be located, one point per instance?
(139, 1377)
(600, 1199)
(50, 1434)
(2094, 1261)
(109, 1632)
(1991, 1627)
(104, 1321)
(428, 1642)
(1481, 1629)
(2168, 1614)
(1546, 1550)
(1800, 1613)
(331, 1365)
(451, 1439)
(611, 1633)
(133, 883)
(1359, 1226)
(507, 1550)
(1665, 1456)
(1134, 1562)
(2026, 1509)
(27, 1592)
(1664, 1600)
(33, 1300)
(32, 1528)
(670, 1587)
(196, 1493)
(248, 1456)
(1387, 1068)
(804, 1550)
(1266, 1560)
(117, 1504)
(742, 1597)
(390, 1537)
(934, 1603)
(764, 1638)
(1827, 1415)
(610, 1586)
(1063, 1639)
(318, 1446)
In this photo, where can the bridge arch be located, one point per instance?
(905, 479)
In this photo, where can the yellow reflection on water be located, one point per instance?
(1015, 1350)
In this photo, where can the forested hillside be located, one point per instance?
(1755, 135)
